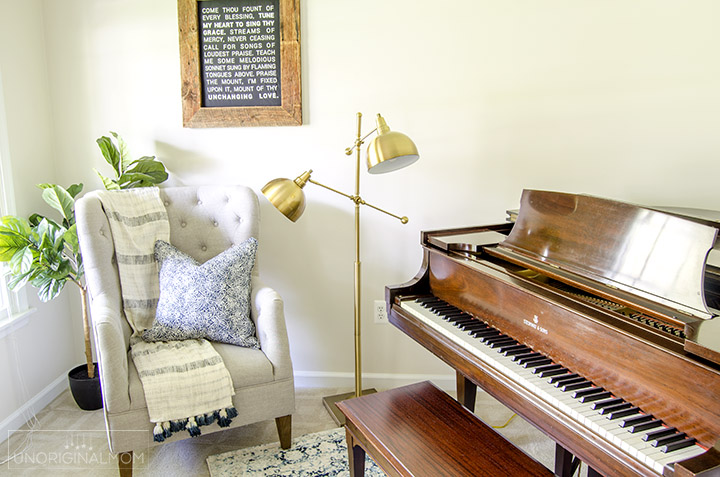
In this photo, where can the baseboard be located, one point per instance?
(320, 379)
(18, 418)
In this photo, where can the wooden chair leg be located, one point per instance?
(284, 428)
(125, 463)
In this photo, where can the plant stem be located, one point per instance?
(86, 330)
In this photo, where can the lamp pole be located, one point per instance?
(358, 343)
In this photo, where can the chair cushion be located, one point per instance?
(210, 301)
(248, 368)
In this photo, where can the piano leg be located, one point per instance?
(466, 391)
(565, 463)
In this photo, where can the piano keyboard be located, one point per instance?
(626, 426)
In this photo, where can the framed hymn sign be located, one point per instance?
(240, 62)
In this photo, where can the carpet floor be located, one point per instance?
(62, 429)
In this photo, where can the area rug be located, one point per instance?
(320, 454)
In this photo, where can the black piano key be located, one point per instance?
(563, 382)
(473, 325)
(525, 355)
(607, 403)
(482, 333)
(501, 343)
(533, 363)
(584, 392)
(443, 307)
(518, 351)
(596, 397)
(663, 441)
(512, 348)
(553, 372)
(533, 357)
(617, 407)
(460, 319)
(455, 316)
(487, 340)
(631, 421)
(653, 435)
(562, 377)
(679, 445)
(631, 411)
(645, 426)
(427, 299)
(574, 386)
(547, 367)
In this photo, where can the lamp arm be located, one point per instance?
(358, 200)
(358, 142)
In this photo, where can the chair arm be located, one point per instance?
(268, 314)
(111, 349)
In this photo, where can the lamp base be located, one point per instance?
(330, 403)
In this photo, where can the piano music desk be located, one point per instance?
(418, 430)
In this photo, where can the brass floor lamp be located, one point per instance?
(387, 152)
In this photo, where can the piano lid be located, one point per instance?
(648, 253)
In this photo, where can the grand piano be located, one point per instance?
(594, 320)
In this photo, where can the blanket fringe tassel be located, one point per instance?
(165, 429)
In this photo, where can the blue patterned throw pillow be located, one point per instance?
(209, 300)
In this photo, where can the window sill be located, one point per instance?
(15, 322)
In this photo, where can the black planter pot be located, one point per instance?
(85, 391)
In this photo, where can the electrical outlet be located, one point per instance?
(380, 312)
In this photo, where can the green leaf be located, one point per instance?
(35, 219)
(70, 238)
(59, 199)
(22, 260)
(75, 189)
(18, 280)
(14, 236)
(48, 288)
(124, 152)
(109, 184)
(14, 224)
(145, 171)
(9, 246)
(132, 180)
(110, 152)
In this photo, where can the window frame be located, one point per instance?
(14, 308)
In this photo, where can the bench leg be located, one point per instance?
(284, 428)
(356, 456)
(466, 391)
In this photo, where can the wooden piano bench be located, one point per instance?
(418, 430)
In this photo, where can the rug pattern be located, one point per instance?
(312, 455)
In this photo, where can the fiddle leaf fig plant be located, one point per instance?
(45, 253)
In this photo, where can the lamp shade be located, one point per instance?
(389, 150)
(287, 196)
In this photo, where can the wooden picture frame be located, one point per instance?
(196, 115)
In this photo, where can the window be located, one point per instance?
(13, 305)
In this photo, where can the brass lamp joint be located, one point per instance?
(303, 178)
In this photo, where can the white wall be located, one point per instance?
(613, 98)
(40, 353)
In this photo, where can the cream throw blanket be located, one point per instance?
(186, 383)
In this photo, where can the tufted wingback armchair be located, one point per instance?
(204, 221)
